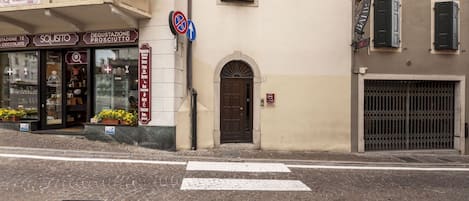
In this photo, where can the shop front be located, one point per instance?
(62, 80)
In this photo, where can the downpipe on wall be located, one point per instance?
(189, 84)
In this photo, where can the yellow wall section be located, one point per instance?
(310, 113)
(302, 50)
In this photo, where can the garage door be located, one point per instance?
(408, 115)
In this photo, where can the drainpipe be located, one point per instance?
(194, 119)
(189, 84)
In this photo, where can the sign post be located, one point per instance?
(144, 88)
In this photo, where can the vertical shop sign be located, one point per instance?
(144, 88)
(363, 17)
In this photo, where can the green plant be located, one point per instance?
(122, 115)
(130, 118)
(9, 113)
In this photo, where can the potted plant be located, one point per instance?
(110, 117)
(11, 114)
(129, 119)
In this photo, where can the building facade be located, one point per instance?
(409, 85)
(271, 74)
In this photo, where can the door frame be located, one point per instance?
(256, 130)
(459, 105)
(42, 86)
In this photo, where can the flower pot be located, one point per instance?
(110, 121)
(124, 123)
(14, 119)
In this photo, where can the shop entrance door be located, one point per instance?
(52, 108)
(64, 86)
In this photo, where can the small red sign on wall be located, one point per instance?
(270, 98)
(144, 86)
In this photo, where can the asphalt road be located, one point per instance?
(28, 179)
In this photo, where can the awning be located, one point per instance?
(49, 16)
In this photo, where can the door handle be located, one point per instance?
(42, 105)
(241, 108)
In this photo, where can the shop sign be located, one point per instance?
(110, 37)
(24, 127)
(14, 41)
(110, 130)
(144, 75)
(363, 17)
(270, 97)
(76, 57)
(5, 3)
(55, 39)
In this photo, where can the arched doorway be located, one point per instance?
(236, 104)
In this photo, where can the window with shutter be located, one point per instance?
(386, 23)
(446, 26)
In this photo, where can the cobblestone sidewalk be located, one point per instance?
(10, 138)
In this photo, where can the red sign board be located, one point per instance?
(110, 37)
(270, 98)
(144, 85)
(55, 39)
(180, 22)
(14, 41)
(76, 57)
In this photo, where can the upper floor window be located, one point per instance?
(446, 26)
(239, 2)
(386, 23)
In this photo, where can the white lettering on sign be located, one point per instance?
(110, 37)
(144, 84)
(55, 38)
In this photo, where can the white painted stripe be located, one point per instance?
(215, 184)
(100, 160)
(236, 167)
(378, 168)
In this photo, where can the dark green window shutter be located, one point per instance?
(386, 23)
(446, 26)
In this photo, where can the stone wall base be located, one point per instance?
(154, 137)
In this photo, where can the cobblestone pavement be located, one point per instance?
(16, 139)
(25, 179)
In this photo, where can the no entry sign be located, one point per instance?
(180, 22)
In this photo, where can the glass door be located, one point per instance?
(52, 88)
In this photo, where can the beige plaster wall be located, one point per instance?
(303, 53)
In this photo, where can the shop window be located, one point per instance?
(446, 26)
(19, 82)
(386, 23)
(116, 79)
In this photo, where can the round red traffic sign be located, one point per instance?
(180, 22)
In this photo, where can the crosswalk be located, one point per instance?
(232, 184)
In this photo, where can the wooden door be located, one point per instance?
(236, 103)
